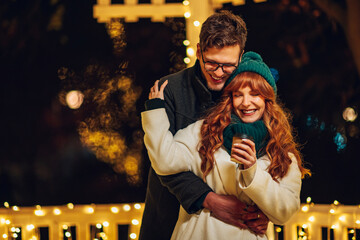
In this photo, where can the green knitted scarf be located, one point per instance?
(257, 130)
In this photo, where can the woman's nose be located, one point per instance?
(246, 101)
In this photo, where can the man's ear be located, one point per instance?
(198, 51)
(241, 54)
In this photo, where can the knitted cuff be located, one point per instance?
(199, 203)
(154, 103)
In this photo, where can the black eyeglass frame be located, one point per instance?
(219, 64)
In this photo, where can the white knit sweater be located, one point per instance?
(173, 154)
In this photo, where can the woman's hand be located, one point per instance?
(155, 92)
(244, 153)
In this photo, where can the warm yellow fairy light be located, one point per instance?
(67, 234)
(137, 206)
(126, 207)
(304, 226)
(133, 235)
(15, 235)
(186, 3)
(30, 227)
(351, 231)
(196, 23)
(342, 218)
(5, 235)
(16, 208)
(334, 226)
(332, 211)
(336, 202)
(38, 207)
(102, 235)
(187, 14)
(350, 114)
(308, 199)
(135, 222)
(89, 210)
(70, 206)
(278, 229)
(106, 224)
(98, 225)
(13, 229)
(6, 204)
(65, 227)
(74, 99)
(187, 60)
(190, 51)
(305, 208)
(114, 209)
(312, 219)
(57, 211)
(7, 221)
(39, 212)
(186, 42)
(357, 221)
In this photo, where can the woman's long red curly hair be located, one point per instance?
(276, 119)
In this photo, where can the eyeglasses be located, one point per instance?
(213, 66)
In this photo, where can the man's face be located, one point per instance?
(227, 56)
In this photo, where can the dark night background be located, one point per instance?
(42, 158)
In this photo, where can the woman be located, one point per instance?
(266, 172)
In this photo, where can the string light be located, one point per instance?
(196, 23)
(305, 208)
(190, 51)
(114, 209)
(89, 210)
(126, 207)
(30, 227)
(186, 42)
(16, 208)
(187, 14)
(135, 222)
(133, 235)
(186, 3)
(57, 211)
(137, 206)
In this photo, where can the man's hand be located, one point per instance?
(256, 221)
(231, 210)
(226, 208)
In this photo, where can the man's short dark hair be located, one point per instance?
(223, 29)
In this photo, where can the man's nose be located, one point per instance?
(219, 72)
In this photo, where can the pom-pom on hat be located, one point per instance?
(253, 62)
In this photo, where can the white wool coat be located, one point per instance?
(169, 154)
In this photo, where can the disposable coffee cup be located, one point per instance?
(238, 138)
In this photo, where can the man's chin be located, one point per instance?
(216, 87)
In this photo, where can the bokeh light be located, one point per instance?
(74, 99)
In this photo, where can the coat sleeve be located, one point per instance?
(279, 201)
(168, 154)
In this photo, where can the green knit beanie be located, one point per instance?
(253, 62)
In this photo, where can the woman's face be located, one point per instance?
(248, 104)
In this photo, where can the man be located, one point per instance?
(189, 93)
